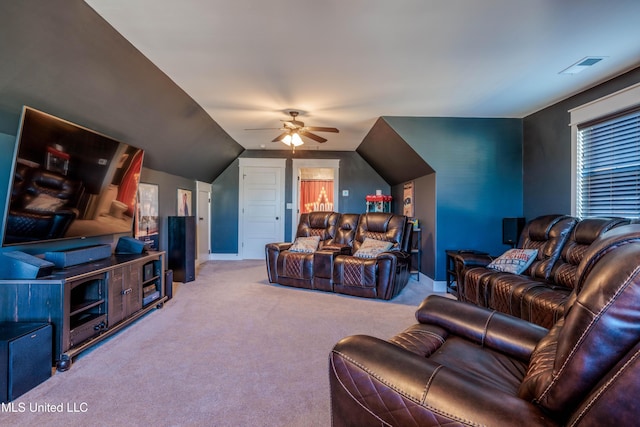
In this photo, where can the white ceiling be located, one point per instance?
(344, 63)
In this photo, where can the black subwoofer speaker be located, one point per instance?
(511, 229)
(25, 357)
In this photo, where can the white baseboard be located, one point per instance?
(224, 257)
(436, 285)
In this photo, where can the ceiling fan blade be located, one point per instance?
(322, 129)
(313, 136)
(280, 137)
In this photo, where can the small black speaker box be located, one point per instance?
(511, 229)
(71, 257)
(24, 266)
(25, 357)
(129, 245)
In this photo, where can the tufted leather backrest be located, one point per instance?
(346, 229)
(582, 236)
(598, 332)
(382, 226)
(321, 224)
(547, 234)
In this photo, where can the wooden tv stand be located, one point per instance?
(87, 303)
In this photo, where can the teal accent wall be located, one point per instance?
(478, 179)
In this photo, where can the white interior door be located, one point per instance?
(203, 224)
(261, 205)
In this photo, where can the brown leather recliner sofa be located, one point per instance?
(467, 365)
(538, 294)
(334, 266)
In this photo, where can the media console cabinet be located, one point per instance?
(87, 303)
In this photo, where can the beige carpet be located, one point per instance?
(229, 349)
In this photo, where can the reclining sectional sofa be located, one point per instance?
(461, 364)
(540, 292)
(365, 255)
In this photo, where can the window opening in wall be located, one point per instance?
(608, 166)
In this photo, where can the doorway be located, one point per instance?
(315, 187)
(203, 223)
(261, 210)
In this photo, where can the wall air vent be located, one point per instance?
(583, 64)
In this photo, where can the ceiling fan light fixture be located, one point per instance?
(292, 139)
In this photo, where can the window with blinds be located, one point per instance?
(608, 166)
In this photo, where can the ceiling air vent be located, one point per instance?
(583, 64)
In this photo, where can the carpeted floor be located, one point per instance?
(229, 349)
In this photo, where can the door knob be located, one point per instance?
(277, 218)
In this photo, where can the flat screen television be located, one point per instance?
(68, 182)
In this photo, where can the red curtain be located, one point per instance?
(316, 196)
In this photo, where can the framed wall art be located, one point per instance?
(184, 202)
(407, 199)
(146, 223)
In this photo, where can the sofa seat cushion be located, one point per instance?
(496, 370)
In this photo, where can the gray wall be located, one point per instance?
(425, 213)
(547, 150)
(355, 175)
(61, 57)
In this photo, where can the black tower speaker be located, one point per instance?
(511, 229)
(182, 248)
(25, 357)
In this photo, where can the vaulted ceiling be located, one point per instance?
(346, 63)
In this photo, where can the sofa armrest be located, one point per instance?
(507, 334)
(373, 380)
(272, 251)
(337, 249)
(466, 259)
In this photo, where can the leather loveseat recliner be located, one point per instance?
(467, 365)
(540, 292)
(333, 266)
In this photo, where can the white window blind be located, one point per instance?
(608, 166)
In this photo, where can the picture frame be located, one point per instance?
(407, 199)
(184, 202)
(146, 220)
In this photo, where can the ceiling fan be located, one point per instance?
(295, 129)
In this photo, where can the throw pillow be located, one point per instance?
(305, 244)
(514, 260)
(370, 248)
